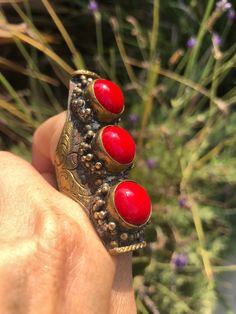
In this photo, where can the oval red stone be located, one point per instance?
(119, 144)
(132, 202)
(109, 96)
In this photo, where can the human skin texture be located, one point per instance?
(51, 259)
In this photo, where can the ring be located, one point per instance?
(93, 159)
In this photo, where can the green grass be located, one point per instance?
(185, 101)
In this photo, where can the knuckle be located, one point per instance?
(17, 255)
(10, 162)
(15, 176)
(59, 234)
(9, 169)
(6, 156)
(70, 231)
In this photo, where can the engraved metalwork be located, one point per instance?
(85, 175)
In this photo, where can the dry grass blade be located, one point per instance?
(10, 65)
(148, 99)
(221, 104)
(176, 298)
(225, 268)
(64, 34)
(12, 134)
(214, 152)
(115, 26)
(7, 2)
(155, 27)
(51, 54)
(15, 112)
(6, 30)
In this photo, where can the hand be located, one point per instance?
(51, 259)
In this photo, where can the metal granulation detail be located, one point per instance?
(87, 173)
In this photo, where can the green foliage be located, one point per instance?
(184, 100)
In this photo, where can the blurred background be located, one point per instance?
(175, 61)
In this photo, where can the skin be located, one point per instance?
(51, 259)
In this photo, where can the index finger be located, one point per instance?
(45, 141)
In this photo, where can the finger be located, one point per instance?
(44, 146)
(45, 142)
(122, 295)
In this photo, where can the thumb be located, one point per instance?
(45, 141)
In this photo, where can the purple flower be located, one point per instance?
(231, 14)
(183, 202)
(223, 5)
(216, 40)
(179, 260)
(151, 163)
(92, 6)
(133, 118)
(191, 42)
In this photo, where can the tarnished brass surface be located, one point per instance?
(86, 174)
(65, 164)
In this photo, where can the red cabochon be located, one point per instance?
(132, 202)
(119, 144)
(109, 96)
